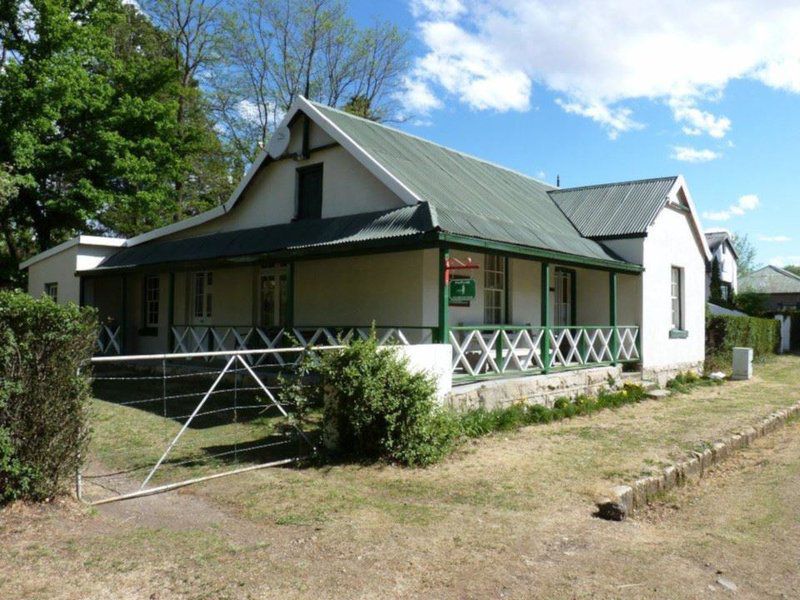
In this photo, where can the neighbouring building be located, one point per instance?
(781, 288)
(342, 222)
(720, 244)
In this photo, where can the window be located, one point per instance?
(51, 290)
(309, 192)
(494, 289)
(274, 297)
(152, 289)
(203, 281)
(677, 298)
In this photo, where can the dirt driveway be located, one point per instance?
(508, 517)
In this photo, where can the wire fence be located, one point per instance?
(162, 421)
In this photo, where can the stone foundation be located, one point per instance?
(661, 375)
(533, 389)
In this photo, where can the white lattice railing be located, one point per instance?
(497, 350)
(109, 340)
(194, 338)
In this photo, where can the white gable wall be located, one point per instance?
(671, 242)
(728, 269)
(60, 268)
(347, 188)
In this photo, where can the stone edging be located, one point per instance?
(623, 499)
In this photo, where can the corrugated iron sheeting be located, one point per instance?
(407, 221)
(615, 209)
(770, 280)
(477, 194)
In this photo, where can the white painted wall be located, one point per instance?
(434, 359)
(728, 269)
(61, 267)
(671, 242)
(347, 188)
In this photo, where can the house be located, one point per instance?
(781, 288)
(720, 244)
(342, 222)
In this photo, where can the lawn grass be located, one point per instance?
(509, 514)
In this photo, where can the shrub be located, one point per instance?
(725, 332)
(43, 397)
(375, 408)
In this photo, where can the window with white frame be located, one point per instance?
(494, 289)
(677, 298)
(51, 290)
(152, 292)
(203, 282)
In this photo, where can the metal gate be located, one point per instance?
(164, 421)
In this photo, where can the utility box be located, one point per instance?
(742, 363)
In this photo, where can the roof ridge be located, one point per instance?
(783, 271)
(432, 143)
(612, 184)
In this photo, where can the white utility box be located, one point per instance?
(742, 363)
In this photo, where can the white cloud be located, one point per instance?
(613, 120)
(782, 261)
(778, 239)
(447, 9)
(688, 154)
(745, 203)
(489, 54)
(696, 121)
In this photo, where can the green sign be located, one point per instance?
(462, 290)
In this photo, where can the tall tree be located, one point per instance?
(746, 253)
(87, 104)
(715, 292)
(193, 33)
(278, 49)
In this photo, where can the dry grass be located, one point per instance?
(508, 515)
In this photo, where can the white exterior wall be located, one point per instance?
(357, 290)
(672, 242)
(61, 267)
(347, 188)
(728, 269)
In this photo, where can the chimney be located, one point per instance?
(558, 181)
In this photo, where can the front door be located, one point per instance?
(274, 297)
(564, 302)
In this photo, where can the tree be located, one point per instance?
(278, 50)
(88, 98)
(715, 292)
(193, 33)
(793, 269)
(746, 253)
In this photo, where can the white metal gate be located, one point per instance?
(229, 390)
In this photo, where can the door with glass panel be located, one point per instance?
(202, 283)
(563, 301)
(274, 297)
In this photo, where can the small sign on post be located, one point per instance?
(462, 290)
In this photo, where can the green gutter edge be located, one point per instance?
(456, 240)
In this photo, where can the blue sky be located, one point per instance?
(496, 78)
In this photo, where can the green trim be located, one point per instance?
(612, 316)
(573, 312)
(545, 316)
(444, 297)
(289, 317)
(678, 334)
(463, 241)
(170, 311)
(124, 320)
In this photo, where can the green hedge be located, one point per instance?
(725, 332)
(44, 400)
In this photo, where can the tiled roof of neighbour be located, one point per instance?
(771, 280)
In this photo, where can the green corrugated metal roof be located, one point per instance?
(470, 196)
(614, 209)
(396, 223)
(770, 280)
